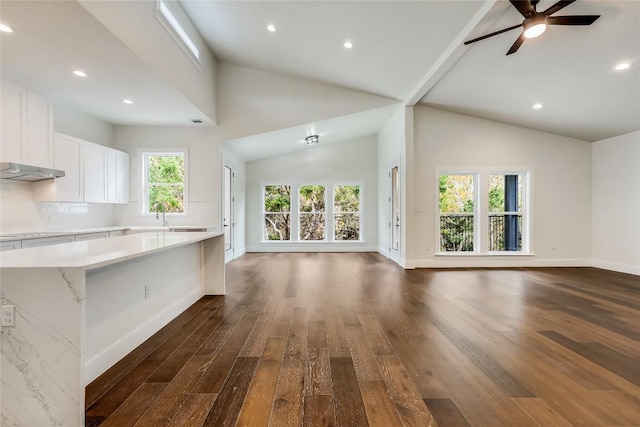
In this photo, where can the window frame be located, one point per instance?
(173, 25)
(144, 174)
(263, 213)
(300, 214)
(481, 209)
(360, 212)
(295, 211)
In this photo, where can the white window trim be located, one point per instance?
(176, 29)
(481, 211)
(329, 186)
(144, 153)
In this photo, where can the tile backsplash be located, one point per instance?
(19, 213)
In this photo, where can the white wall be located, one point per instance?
(354, 160)
(136, 25)
(252, 102)
(561, 187)
(616, 203)
(204, 172)
(73, 122)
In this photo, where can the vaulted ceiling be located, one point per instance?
(408, 51)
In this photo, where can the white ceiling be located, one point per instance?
(401, 50)
(52, 38)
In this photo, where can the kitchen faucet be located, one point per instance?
(160, 208)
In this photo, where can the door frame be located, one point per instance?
(395, 254)
(229, 254)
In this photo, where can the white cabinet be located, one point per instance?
(117, 176)
(67, 156)
(95, 172)
(27, 127)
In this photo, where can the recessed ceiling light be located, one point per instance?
(80, 73)
(537, 106)
(5, 28)
(127, 101)
(271, 28)
(623, 66)
(348, 44)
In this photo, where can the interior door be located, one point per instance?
(394, 218)
(228, 222)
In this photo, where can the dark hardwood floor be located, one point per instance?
(354, 340)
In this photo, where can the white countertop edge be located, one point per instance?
(44, 234)
(98, 253)
(58, 233)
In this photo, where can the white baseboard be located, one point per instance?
(97, 365)
(239, 252)
(614, 266)
(482, 262)
(314, 247)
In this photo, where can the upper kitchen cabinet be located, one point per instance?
(95, 172)
(27, 127)
(67, 156)
(117, 176)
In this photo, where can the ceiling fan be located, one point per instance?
(535, 23)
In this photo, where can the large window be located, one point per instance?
(483, 212)
(277, 212)
(457, 212)
(312, 215)
(505, 212)
(164, 182)
(346, 211)
(312, 212)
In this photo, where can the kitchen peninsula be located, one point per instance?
(80, 307)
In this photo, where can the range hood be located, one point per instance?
(20, 172)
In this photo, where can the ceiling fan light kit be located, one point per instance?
(534, 27)
(535, 23)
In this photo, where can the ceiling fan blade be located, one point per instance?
(556, 7)
(572, 20)
(492, 34)
(524, 7)
(516, 45)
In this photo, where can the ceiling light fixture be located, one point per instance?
(348, 44)
(80, 73)
(533, 27)
(537, 106)
(127, 101)
(623, 66)
(271, 28)
(5, 28)
(312, 139)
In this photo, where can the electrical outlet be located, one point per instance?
(554, 247)
(427, 247)
(147, 291)
(8, 315)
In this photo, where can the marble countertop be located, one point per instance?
(100, 252)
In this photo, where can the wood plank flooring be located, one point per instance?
(354, 340)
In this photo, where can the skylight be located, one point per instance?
(178, 29)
